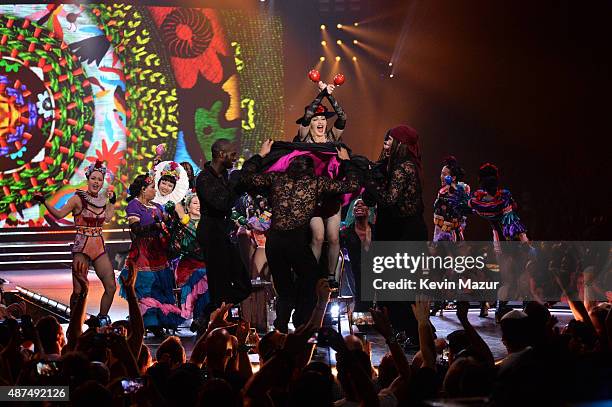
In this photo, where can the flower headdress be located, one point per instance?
(171, 169)
(188, 197)
(97, 166)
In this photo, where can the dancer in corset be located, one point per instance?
(293, 196)
(90, 210)
(314, 129)
(396, 189)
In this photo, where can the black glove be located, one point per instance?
(140, 230)
(113, 198)
(40, 198)
(170, 208)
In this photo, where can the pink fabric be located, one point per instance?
(201, 287)
(329, 167)
(148, 302)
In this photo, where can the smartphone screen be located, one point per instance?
(47, 368)
(235, 312)
(132, 385)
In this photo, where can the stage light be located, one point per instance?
(390, 63)
(339, 26)
(324, 43)
(355, 42)
(322, 59)
(391, 76)
(356, 24)
(354, 58)
(339, 42)
(337, 58)
(322, 26)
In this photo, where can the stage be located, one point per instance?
(56, 284)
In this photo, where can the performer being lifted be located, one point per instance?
(314, 129)
(293, 196)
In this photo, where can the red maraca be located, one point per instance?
(339, 79)
(314, 75)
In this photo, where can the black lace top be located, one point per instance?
(294, 200)
(401, 192)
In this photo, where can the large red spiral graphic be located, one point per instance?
(187, 32)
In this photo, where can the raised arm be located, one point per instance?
(426, 339)
(340, 122)
(383, 326)
(77, 312)
(309, 114)
(478, 345)
(72, 204)
(136, 322)
(250, 176)
(316, 318)
(250, 168)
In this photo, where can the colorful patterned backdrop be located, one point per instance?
(110, 82)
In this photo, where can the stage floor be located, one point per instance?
(57, 285)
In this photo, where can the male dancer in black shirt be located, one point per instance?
(228, 280)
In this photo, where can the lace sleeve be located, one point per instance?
(335, 186)
(251, 178)
(403, 184)
(310, 110)
(340, 122)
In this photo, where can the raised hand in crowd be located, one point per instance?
(137, 329)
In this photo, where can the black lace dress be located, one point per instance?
(398, 195)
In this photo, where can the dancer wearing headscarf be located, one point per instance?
(293, 197)
(90, 210)
(399, 196)
(149, 257)
(449, 222)
(396, 189)
(314, 129)
(496, 205)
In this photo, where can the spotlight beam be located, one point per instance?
(377, 53)
(408, 25)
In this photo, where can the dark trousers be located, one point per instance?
(289, 254)
(392, 228)
(228, 280)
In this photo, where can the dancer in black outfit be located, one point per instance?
(293, 196)
(228, 280)
(399, 206)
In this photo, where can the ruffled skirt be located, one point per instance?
(154, 290)
(192, 280)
